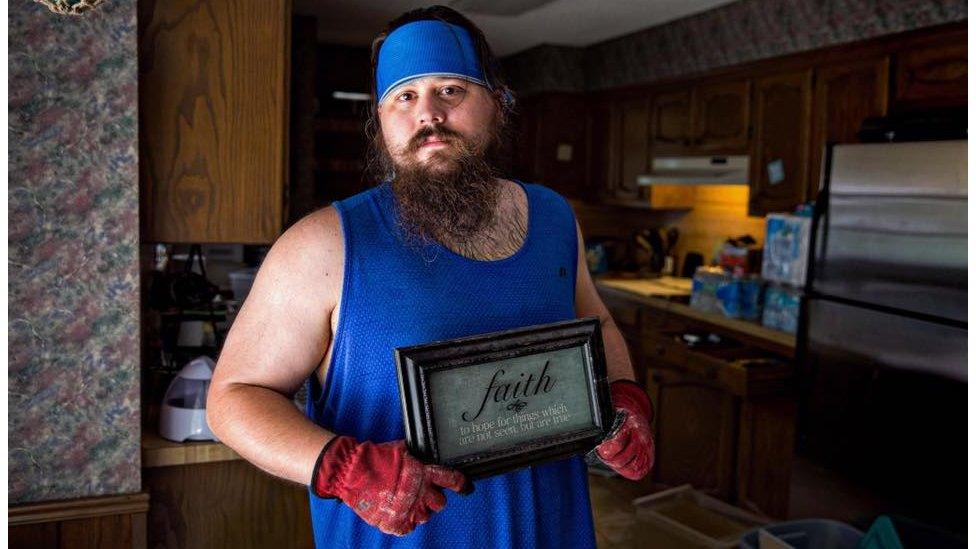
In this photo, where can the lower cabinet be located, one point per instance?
(694, 432)
(725, 415)
(224, 504)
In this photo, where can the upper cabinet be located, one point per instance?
(710, 118)
(671, 129)
(620, 139)
(844, 95)
(780, 154)
(721, 117)
(932, 73)
(213, 107)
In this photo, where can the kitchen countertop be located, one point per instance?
(773, 340)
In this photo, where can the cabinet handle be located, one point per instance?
(660, 350)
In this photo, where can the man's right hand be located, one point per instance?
(383, 483)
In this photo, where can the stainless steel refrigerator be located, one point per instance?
(882, 335)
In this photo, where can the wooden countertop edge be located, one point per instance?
(780, 341)
(159, 452)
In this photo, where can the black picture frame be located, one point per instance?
(416, 364)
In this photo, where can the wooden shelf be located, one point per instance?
(159, 452)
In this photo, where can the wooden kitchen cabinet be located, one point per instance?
(721, 118)
(620, 150)
(213, 107)
(694, 431)
(764, 447)
(932, 72)
(202, 494)
(779, 166)
(671, 122)
(844, 95)
(632, 154)
(710, 118)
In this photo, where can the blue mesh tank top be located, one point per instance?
(394, 296)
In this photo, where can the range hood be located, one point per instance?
(697, 170)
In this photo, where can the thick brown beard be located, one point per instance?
(453, 196)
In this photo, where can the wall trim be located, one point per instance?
(56, 511)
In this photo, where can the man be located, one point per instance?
(444, 248)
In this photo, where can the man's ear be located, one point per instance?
(506, 98)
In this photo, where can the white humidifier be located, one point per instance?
(184, 413)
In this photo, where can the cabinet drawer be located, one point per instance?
(738, 368)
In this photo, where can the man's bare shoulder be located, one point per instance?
(310, 251)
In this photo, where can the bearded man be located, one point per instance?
(443, 247)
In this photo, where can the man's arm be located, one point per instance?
(278, 338)
(588, 303)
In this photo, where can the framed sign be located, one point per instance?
(495, 402)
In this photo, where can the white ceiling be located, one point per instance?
(561, 22)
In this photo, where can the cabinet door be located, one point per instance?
(844, 96)
(561, 143)
(694, 431)
(767, 432)
(599, 132)
(632, 153)
(933, 75)
(781, 144)
(213, 106)
(721, 118)
(671, 122)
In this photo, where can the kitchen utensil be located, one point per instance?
(693, 260)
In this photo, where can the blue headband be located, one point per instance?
(426, 48)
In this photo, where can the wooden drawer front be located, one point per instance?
(654, 320)
(718, 366)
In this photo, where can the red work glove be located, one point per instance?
(383, 484)
(629, 448)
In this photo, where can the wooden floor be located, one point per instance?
(613, 513)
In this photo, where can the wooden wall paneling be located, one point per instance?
(213, 103)
(225, 504)
(34, 536)
(781, 142)
(721, 117)
(844, 95)
(599, 115)
(107, 522)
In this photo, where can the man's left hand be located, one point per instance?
(629, 449)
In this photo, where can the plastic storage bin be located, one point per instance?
(684, 518)
(808, 534)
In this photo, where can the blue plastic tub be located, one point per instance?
(808, 534)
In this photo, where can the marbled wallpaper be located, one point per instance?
(735, 33)
(73, 393)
